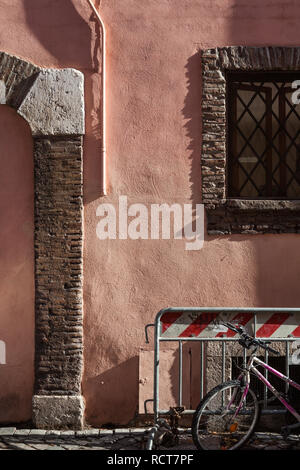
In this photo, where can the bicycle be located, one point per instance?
(226, 417)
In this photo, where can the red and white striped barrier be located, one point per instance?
(206, 325)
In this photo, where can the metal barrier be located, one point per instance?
(201, 324)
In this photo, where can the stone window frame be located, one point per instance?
(228, 215)
(52, 102)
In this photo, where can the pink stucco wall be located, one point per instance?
(153, 150)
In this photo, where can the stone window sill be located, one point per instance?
(253, 216)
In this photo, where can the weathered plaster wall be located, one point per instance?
(154, 139)
(153, 149)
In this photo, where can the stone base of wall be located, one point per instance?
(58, 412)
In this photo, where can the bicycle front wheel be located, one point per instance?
(219, 424)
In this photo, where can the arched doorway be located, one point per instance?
(52, 103)
(16, 266)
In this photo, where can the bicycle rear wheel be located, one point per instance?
(216, 426)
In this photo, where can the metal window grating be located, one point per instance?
(263, 136)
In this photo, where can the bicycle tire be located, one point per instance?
(212, 426)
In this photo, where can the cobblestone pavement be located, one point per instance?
(118, 439)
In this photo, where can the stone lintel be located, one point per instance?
(54, 105)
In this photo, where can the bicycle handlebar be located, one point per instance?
(247, 340)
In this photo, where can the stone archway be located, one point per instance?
(52, 102)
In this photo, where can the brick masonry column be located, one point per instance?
(52, 102)
(58, 261)
(54, 108)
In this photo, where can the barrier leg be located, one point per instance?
(152, 432)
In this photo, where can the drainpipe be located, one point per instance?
(103, 116)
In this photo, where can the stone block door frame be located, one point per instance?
(52, 102)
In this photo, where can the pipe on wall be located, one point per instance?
(103, 96)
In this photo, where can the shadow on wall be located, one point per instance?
(192, 114)
(61, 30)
(113, 390)
(97, 45)
(278, 270)
(258, 23)
(276, 263)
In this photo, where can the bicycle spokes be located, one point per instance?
(222, 421)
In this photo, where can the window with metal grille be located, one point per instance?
(263, 136)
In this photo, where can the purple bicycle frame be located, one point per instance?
(250, 368)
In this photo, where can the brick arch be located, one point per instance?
(52, 102)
